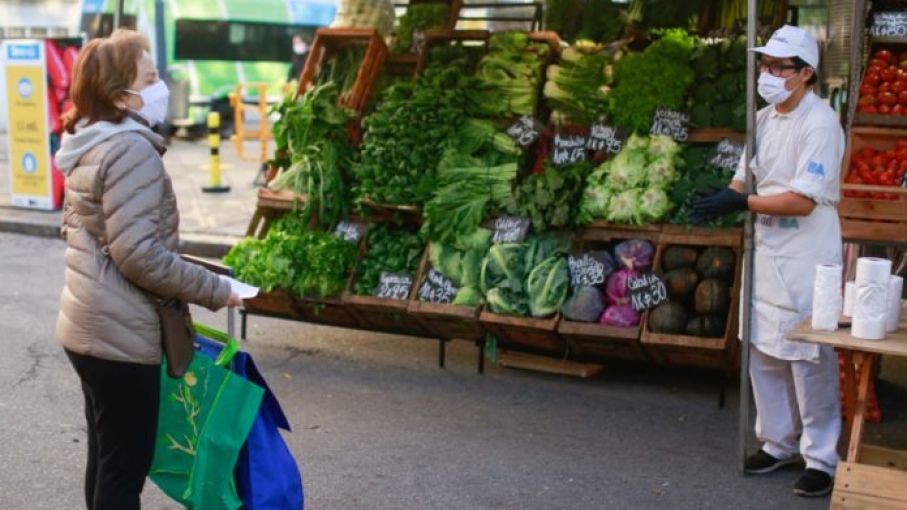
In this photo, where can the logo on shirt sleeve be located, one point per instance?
(815, 170)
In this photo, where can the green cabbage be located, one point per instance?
(654, 204)
(624, 207)
(548, 284)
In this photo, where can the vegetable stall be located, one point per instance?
(512, 189)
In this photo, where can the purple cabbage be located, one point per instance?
(616, 291)
(622, 316)
(635, 254)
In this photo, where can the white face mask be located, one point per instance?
(773, 89)
(300, 48)
(155, 99)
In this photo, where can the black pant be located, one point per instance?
(121, 407)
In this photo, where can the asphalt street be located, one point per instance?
(377, 425)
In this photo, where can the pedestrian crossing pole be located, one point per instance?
(214, 183)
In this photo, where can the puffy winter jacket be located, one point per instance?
(121, 226)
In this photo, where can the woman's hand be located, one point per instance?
(234, 301)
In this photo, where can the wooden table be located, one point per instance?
(872, 477)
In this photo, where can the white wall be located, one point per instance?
(51, 14)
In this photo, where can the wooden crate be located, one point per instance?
(279, 303)
(685, 350)
(440, 37)
(381, 314)
(714, 135)
(525, 333)
(328, 41)
(593, 340)
(331, 311)
(606, 231)
(872, 219)
(444, 320)
(861, 487)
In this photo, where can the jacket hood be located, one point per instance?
(74, 146)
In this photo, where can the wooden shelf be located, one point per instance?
(889, 40)
(872, 119)
(714, 135)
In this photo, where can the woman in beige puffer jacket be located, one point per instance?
(121, 225)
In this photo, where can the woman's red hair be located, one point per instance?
(105, 68)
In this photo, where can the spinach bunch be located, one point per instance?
(699, 175)
(405, 137)
(550, 199)
(389, 249)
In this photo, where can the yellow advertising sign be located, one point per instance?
(29, 146)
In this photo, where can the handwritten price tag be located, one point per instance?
(889, 24)
(568, 149)
(728, 154)
(510, 229)
(647, 291)
(585, 271)
(349, 231)
(672, 123)
(395, 285)
(607, 138)
(437, 289)
(525, 131)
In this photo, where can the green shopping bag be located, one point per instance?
(204, 419)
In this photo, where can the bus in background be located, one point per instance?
(213, 45)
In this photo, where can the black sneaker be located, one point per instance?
(761, 463)
(814, 483)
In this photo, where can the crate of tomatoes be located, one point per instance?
(874, 205)
(883, 91)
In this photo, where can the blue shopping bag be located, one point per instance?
(266, 474)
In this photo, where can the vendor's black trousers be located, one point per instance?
(121, 407)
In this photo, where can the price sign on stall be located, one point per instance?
(510, 229)
(394, 285)
(585, 270)
(568, 149)
(889, 24)
(672, 123)
(647, 291)
(525, 131)
(727, 154)
(350, 231)
(606, 138)
(437, 289)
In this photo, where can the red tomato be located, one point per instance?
(877, 62)
(901, 144)
(875, 70)
(872, 79)
(867, 100)
(884, 109)
(888, 98)
(868, 109)
(884, 55)
(890, 73)
(884, 87)
(902, 98)
(868, 90)
(898, 87)
(868, 152)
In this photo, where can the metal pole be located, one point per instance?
(118, 14)
(748, 269)
(160, 43)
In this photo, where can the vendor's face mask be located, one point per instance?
(773, 88)
(155, 99)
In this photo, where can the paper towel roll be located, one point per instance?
(895, 289)
(871, 300)
(850, 291)
(827, 301)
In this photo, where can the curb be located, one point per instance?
(199, 245)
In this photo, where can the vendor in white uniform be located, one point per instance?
(799, 148)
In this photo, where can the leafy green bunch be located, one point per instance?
(389, 249)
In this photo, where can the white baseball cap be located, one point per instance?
(789, 41)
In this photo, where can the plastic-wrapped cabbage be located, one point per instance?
(616, 290)
(547, 286)
(585, 305)
(636, 142)
(623, 316)
(654, 204)
(635, 254)
(628, 170)
(506, 302)
(624, 207)
(661, 172)
(663, 146)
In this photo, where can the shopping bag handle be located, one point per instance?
(231, 345)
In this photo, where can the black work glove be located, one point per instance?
(715, 203)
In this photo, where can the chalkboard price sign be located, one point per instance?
(607, 138)
(437, 289)
(525, 131)
(585, 270)
(510, 229)
(350, 231)
(672, 123)
(568, 149)
(727, 154)
(647, 291)
(394, 285)
(889, 24)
